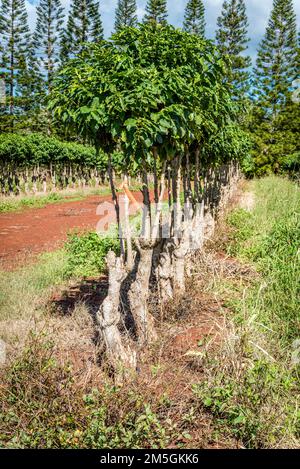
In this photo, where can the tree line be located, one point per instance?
(29, 63)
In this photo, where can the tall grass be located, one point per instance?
(251, 385)
(269, 238)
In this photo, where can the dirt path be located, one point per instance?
(33, 231)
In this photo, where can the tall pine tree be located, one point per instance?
(46, 38)
(156, 11)
(194, 18)
(232, 38)
(276, 117)
(84, 25)
(277, 58)
(125, 14)
(15, 39)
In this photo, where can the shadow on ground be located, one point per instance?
(90, 292)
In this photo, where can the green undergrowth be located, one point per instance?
(41, 407)
(86, 253)
(25, 290)
(251, 385)
(269, 239)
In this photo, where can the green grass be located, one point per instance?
(16, 204)
(26, 290)
(269, 238)
(251, 385)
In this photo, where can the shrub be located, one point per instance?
(87, 252)
(29, 150)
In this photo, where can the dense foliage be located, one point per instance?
(33, 149)
(35, 162)
(139, 92)
(86, 253)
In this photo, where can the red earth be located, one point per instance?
(25, 234)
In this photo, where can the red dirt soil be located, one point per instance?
(33, 231)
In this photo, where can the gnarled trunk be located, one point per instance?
(121, 358)
(139, 294)
(140, 289)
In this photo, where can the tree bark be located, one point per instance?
(139, 290)
(116, 204)
(121, 358)
(139, 294)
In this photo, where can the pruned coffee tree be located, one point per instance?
(157, 94)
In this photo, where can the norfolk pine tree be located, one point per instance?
(232, 38)
(84, 25)
(46, 38)
(277, 58)
(15, 39)
(194, 18)
(156, 11)
(275, 124)
(125, 14)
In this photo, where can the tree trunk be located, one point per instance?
(116, 204)
(127, 229)
(139, 294)
(139, 291)
(122, 359)
(165, 273)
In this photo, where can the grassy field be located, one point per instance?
(251, 385)
(240, 391)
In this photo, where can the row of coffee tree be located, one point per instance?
(32, 163)
(157, 94)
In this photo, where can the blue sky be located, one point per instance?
(258, 14)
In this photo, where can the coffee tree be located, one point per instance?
(157, 94)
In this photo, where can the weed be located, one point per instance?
(256, 405)
(41, 407)
(86, 253)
